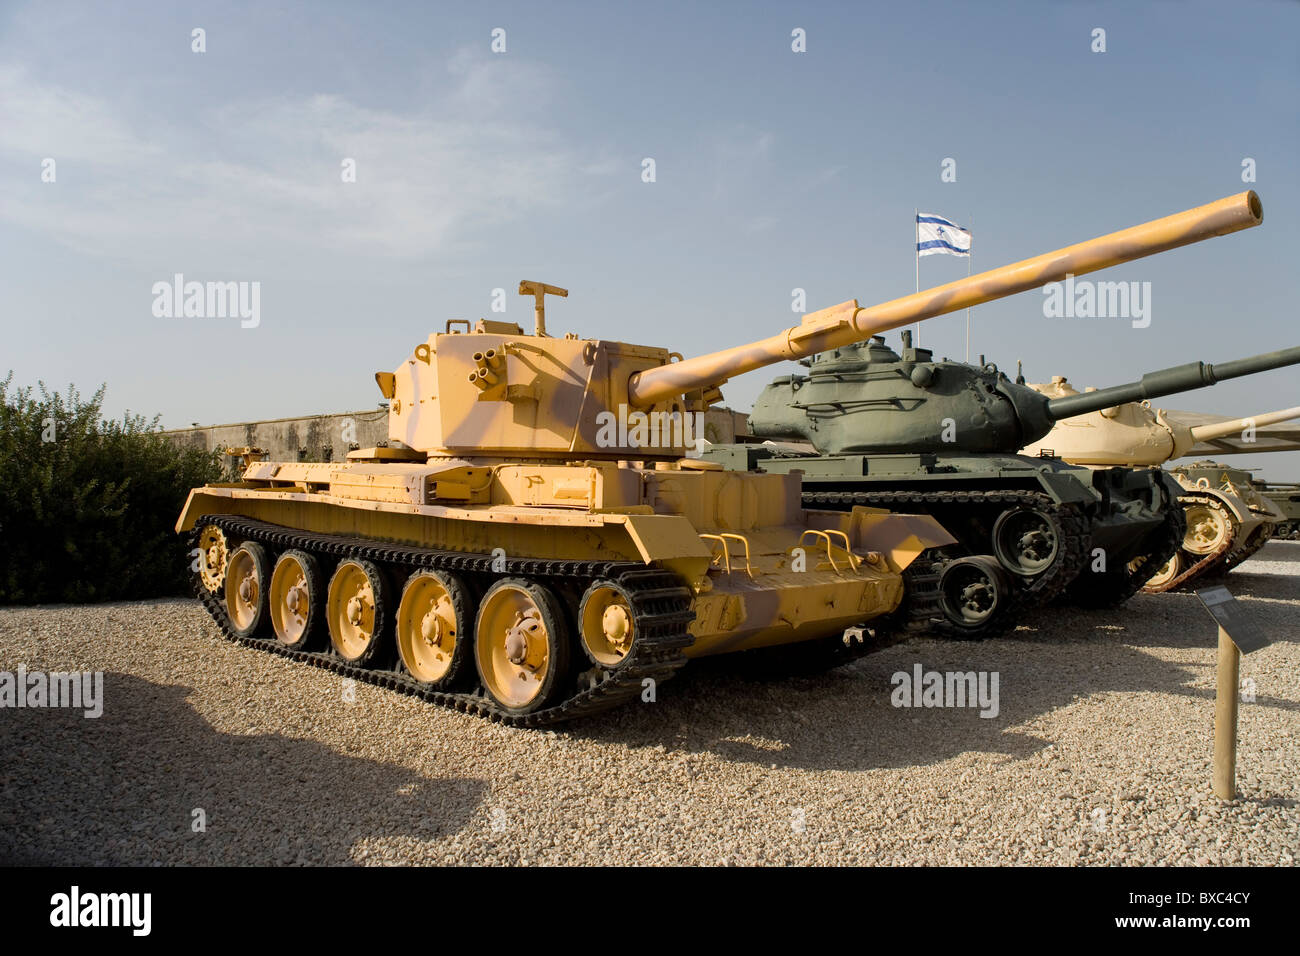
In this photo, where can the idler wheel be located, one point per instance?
(213, 558)
(521, 644)
(607, 623)
(972, 590)
(434, 620)
(1026, 541)
(356, 610)
(245, 588)
(297, 599)
(1207, 528)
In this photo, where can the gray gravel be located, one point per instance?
(1100, 754)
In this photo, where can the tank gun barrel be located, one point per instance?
(1224, 429)
(847, 322)
(1168, 381)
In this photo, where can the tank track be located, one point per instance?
(1258, 538)
(1100, 591)
(920, 596)
(661, 603)
(1040, 589)
(1206, 565)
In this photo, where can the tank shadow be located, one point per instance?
(1247, 582)
(1176, 618)
(845, 719)
(151, 760)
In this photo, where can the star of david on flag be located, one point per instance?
(938, 236)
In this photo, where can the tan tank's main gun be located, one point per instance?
(848, 322)
(1209, 432)
(499, 391)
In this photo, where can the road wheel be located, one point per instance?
(297, 599)
(1168, 571)
(213, 558)
(434, 621)
(246, 585)
(606, 623)
(1208, 526)
(972, 591)
(521, 645)
(357, 611)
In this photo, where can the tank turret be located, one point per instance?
(1133, 433)
(867, 398)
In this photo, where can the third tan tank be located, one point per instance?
(1227, 521)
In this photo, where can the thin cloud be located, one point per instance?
(271, 170)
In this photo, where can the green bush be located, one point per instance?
(88, 506)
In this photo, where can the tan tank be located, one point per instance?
(533, 545)
(1227, 521)
(1252, 520)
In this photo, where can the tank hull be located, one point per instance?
(738, 564)
(1286, 499)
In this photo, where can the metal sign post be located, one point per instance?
(1238, 635)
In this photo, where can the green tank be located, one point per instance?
(901, 430)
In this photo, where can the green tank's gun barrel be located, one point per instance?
(1168, 381)
(847, 322)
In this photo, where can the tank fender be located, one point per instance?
(198, 504)
(899, 537)
(670, 540)
(1238, 508)
(1069, 486)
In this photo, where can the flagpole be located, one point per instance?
(916, 253)
(969, 253)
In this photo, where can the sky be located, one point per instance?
(775, 170)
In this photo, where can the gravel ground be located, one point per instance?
(1100, 754)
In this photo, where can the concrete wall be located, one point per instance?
(329, 437)
(315, 438)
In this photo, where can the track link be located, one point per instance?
(661, 605)
(1207, 564)
(1258, 538)
(1112, 589)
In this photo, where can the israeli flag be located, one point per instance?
(936, 235)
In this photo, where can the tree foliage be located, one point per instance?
(88, 506)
